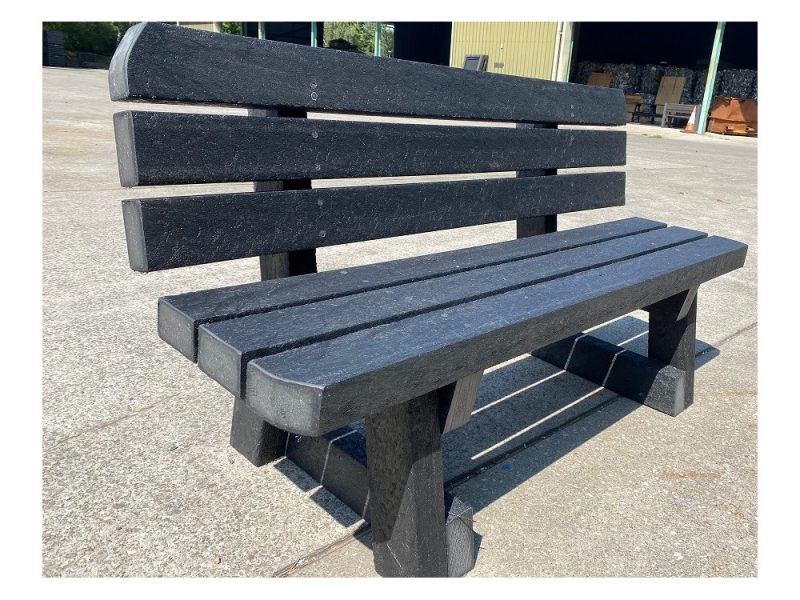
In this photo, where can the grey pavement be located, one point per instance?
(139, 479)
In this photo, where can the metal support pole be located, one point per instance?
(708, 94)
(314, 40)
(378, 40)
(262, 30)
(565, 62)
(557, 51)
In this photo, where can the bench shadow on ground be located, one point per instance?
(519, 403)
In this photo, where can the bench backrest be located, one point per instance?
(280, 82)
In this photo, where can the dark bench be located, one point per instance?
(402, 344)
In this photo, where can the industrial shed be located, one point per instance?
(654, 63)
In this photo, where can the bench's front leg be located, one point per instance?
(254, 438)
(671, 339)
(406, 489)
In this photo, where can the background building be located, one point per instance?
(528, 49)
(654, 63)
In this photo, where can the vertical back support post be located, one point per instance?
(406, 486)
(251, 436)
(284, 264)
(529, 226)
(671, 339)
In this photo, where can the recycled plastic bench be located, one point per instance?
(402, 344)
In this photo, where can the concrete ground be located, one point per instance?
(139, 479)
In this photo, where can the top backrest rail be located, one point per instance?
(156, 62)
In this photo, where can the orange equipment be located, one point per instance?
(733, 115)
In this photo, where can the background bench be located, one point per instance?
(402, 344)
(676, 111)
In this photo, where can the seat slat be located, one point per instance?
(159, 62)
(164, 233)
(313, 389)
(156, 148)
(179, 316)
(225, 348)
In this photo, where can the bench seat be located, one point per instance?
(312, 353)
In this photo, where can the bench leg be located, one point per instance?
(404, 458)
(288, 264)
(528, 226)
(663, 380)
(338, 462)
(255, 439)
(627, 373)
(671, 340)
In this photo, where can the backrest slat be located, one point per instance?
(156, 148)
(158, 62)
(163, 233)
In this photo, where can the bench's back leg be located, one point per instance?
(251, 436)
(671, 339)
(406, 487)
(284, 264)
(288, 264)
(529, 226)
(537, 225)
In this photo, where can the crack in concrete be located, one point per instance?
(102, 425)
(728, 338)
(320, 553)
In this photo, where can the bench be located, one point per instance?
(670, 91)
(643, 110)
(676, 111)
(401, 344)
